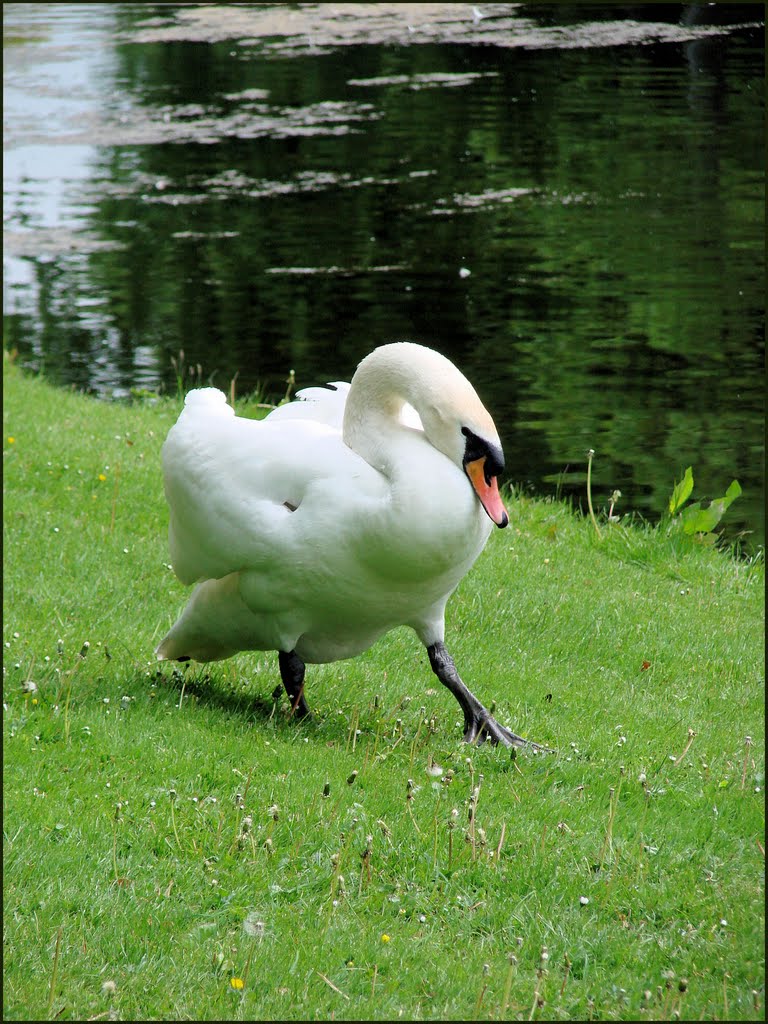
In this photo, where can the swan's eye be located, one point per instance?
(478, 448)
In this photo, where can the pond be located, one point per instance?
(567, 200)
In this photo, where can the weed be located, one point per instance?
(697, 519)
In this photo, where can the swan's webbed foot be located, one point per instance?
(478, 730)
(479, 723)
(292, 673)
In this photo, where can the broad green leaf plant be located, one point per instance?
(696, 519)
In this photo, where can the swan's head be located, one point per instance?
(454, 419)
(459, 425)
(483, 463)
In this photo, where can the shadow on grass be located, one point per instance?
(208, 691)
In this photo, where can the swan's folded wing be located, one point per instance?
(321, 404)
(233, 485)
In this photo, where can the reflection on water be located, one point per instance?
(566, 200)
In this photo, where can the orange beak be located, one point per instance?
(487, 491)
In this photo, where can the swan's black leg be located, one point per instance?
(479, 723)
(292, 673)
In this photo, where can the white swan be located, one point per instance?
(338, 517)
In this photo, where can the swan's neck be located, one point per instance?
(372, 417)
(446, 402)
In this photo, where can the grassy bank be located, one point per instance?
(175, 847)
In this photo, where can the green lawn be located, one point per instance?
(175, 847)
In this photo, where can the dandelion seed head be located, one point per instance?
(254, 926)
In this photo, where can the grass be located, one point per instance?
(176, 848)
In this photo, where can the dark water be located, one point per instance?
(568, 200)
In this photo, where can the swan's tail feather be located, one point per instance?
(207, 400)
(215, 624)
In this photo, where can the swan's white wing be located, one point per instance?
(233, 484)
(410, 418)
(321, 404)
(326, 405)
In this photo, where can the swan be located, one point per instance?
(350, 511)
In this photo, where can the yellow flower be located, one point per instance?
(237, 984)
(102, 477)
(385, 937)
(11, 440)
